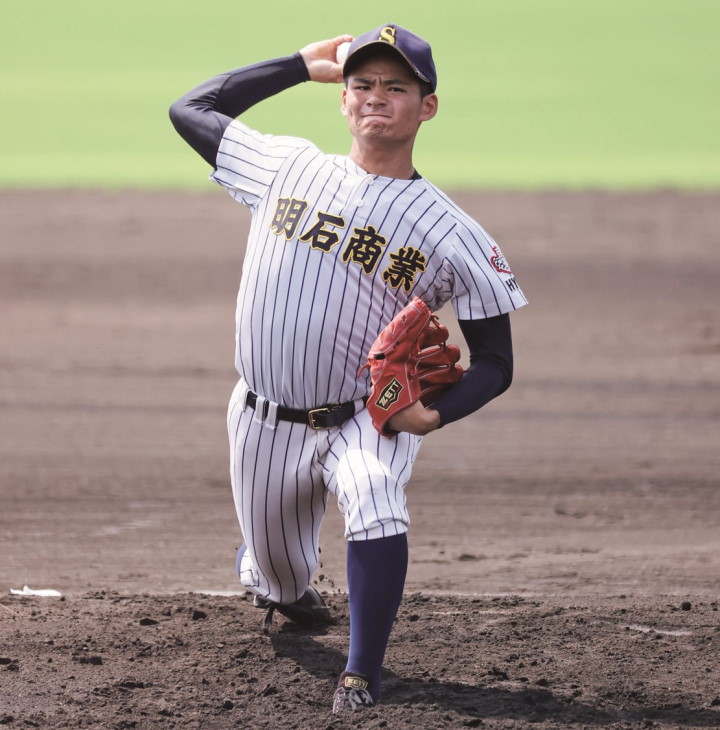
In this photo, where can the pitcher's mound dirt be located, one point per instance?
(564, 546)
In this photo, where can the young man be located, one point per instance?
(337, 246)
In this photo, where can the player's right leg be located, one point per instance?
(280, 501)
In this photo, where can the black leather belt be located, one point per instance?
(317, 418)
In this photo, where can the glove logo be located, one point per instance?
(389, 394)
(409, 361)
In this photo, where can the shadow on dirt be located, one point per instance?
(533, 705)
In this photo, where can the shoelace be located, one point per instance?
(355, 698)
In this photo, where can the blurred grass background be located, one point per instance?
(563, 93)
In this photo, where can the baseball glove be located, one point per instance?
(409, 361)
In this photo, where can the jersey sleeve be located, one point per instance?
(482, 282)
(248, 161)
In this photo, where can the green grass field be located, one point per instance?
(560, 93)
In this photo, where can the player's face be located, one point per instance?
(382, 101)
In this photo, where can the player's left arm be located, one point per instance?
(490, 374)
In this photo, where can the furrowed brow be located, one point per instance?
(387, 82)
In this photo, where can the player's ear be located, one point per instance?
(429, 107)
(343, 109)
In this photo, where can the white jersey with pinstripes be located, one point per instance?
(333, 254)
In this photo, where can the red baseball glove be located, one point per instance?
(409, 361)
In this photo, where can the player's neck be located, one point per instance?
(382, 161)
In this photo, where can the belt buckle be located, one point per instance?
(313, 413)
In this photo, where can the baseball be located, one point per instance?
(342, 51)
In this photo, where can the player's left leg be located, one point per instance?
(368, 473)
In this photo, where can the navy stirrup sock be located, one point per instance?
(376, 572)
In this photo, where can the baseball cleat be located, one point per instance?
(308, 611)
(351, 694)
(260, 602)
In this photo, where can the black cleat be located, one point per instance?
(308, 611)
(351, 694)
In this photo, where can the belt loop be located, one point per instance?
(260, 406)
(271, 418)
(244, 395)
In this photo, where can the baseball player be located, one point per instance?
(338, 245)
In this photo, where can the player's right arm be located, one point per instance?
(202, 115)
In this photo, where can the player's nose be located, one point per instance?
(376, 96)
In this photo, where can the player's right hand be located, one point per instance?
(321, 62)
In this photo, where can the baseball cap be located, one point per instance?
(415, 50)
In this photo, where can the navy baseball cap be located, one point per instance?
(415, 51)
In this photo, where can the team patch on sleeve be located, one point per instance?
(499, 262)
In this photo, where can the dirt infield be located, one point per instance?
(565, 563)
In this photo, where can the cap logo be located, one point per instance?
(388, 34)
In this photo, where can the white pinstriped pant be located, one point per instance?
(281, 475)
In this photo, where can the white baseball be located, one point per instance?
(342, 51)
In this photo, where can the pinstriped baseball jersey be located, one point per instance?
(333, 254)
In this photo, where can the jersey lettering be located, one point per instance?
(287, 216)
(365, 248)
(319, 236)
(511, 284)
(405, 265)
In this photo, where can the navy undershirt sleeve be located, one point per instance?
(202, 115)
(490, 371)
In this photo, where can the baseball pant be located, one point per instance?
(282, 473)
